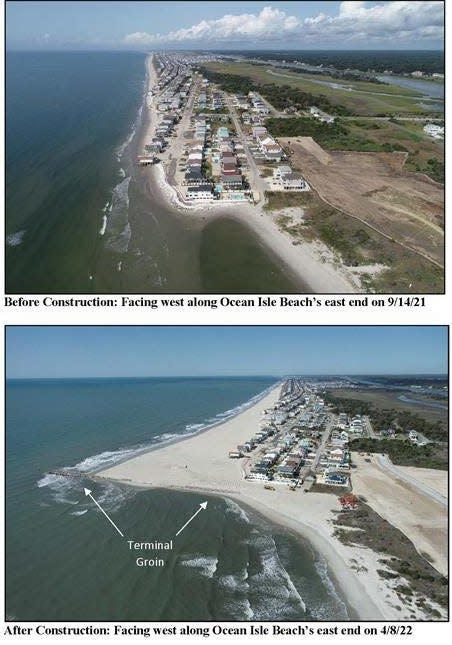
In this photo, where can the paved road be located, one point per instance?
(386, 464)
(257, 184)
(369, 428)
(325, 436)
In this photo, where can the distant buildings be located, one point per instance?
(435, 131)
(321, 116)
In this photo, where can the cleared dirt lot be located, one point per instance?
(423, 520)
(373, 186)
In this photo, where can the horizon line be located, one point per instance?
(278, 376)
(204, 49)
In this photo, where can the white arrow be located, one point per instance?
(88, 492)
(202, 507)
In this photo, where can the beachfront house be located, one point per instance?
(201, 193)
(294, 181)
(258, 474)
(232, 181)
(194, 177)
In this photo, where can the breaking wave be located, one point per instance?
(234, 509)
(338, 606)
(117, 226)
(121, 149)
(14, 239)
(221, 417)
(205, 565)
(274, 590)
(67, 490)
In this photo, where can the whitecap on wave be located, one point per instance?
(273, 591)
(205, 565)
(338, 607)
(14, 239)
(221, 417)
(233, 508)
(117, 225)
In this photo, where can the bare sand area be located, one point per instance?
(436, 479)
(375, 188)
(418, 516)
(201, 463)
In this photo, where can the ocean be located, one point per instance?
(64, 561)
(81, 217)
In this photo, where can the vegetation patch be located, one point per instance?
(364, 527)
(331, 136)
(358, 245)
(404, 453)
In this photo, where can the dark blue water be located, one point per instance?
(67, 115)
(65, 562)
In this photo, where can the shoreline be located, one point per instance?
(311, 265)
(255, 400)
(200, 463)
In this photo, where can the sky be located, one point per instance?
(221, 25)
(113, 351)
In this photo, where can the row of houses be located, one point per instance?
(199, 188)
(227, 159)
(174, 82)
(163, 132)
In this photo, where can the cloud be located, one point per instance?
(139, 38)
(365, 22)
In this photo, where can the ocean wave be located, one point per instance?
(339, 606)
(221, 417)
(118, 228)
(63, 488)
(195, 426)
(103, 228)
(205, 565)
(274, 591)
(121, 148)
(77, 513)
(239, 608)
(14, 239)
(234, 509)
(67, 490)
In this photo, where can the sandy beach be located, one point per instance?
(312, 265)
(201, 463)
(422, 519)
